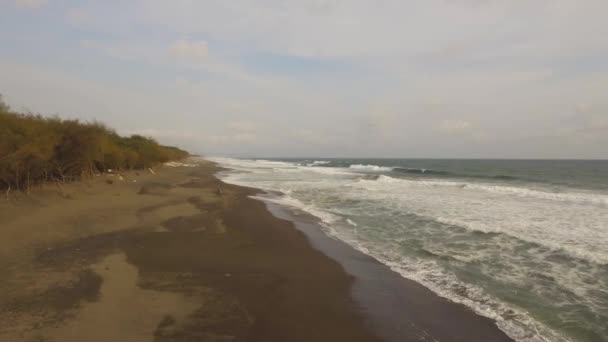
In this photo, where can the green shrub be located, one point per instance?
(36, 149)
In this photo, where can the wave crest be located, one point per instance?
(374, 168)
(576, 197)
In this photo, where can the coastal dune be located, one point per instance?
(177, 255)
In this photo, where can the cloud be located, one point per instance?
(454, 126)
(239, 131)
(392, 28)
(190, 51)
(312, 136)
(30, 4)
(182, 54)
(78, 17)
(163, 134)
(120, 50)
(427, 78)
(243, 126)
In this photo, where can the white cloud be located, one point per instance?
(243, 126)
(30, 4)
(363, 28)
(163, 134)
(454, 126)
(78, 16)
(183, 53)
(312, 136)
(403, 76)
(121, 50)
(191, 51)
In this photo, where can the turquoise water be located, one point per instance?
(523, 242)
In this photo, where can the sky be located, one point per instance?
(320, 78)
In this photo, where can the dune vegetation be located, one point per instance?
(36, 149)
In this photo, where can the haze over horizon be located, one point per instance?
(358, 78)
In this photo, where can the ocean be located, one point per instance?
(524, 242)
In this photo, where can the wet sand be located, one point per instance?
(398, 309)
(163, 257)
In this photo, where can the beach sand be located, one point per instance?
(164, 257)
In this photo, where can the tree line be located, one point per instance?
(36, 149)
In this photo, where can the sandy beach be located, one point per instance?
(164, 257)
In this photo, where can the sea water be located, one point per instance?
(523, 242)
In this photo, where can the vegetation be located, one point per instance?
(36, 149)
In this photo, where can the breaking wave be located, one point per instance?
(484, 241)
(574, 197)
(374, 168)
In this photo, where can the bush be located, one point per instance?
(36, 149)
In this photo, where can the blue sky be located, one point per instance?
(409, 78)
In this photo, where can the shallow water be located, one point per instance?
(522, 242)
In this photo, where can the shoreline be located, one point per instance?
(177, 261)
(397, 308)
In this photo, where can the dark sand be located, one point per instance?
(398, 309)
(164, 258)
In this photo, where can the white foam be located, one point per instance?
(328, 170)
(291, 202)
(427, 273)
(372, 168)
(271, 162)
(319, 162)
(519, 324)
(577, 197)
(251, 163)
(571, 222)
(577, 228)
